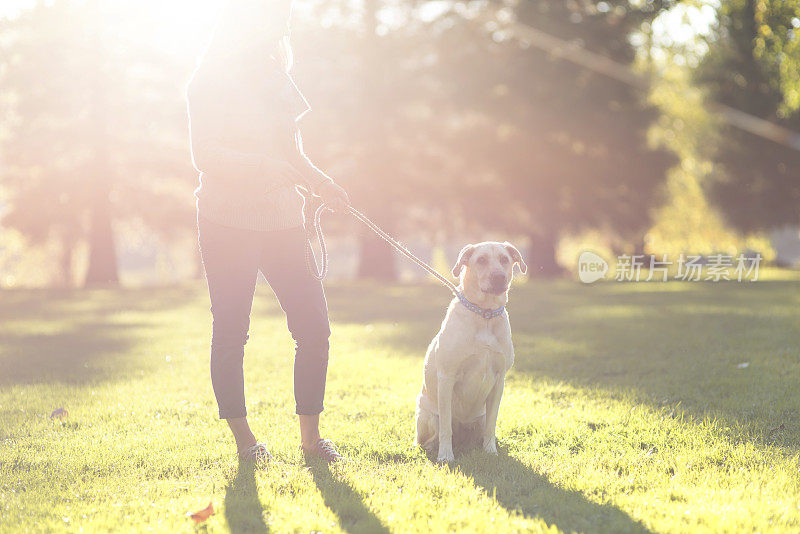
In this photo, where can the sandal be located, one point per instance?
(325, 450)
(257, 453)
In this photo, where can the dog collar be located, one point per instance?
(483, 312)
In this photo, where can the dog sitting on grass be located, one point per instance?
(467, 361)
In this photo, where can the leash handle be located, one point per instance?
(311, 222)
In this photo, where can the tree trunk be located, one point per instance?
(541, 258)
(376, 259)
(65, 275)
(103, 268)
(638, 246)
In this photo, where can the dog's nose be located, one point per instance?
(498, 281)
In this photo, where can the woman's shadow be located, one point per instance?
(514, 485)
(340, 497)
(243, 510)
(521, 489)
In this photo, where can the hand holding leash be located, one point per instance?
(334, 196)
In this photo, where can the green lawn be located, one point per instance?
(643, 407)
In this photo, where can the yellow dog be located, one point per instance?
(467, 361)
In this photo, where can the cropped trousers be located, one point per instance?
(232, 258)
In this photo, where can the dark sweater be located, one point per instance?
(236, 128)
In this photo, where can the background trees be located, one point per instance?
(438, 117)
(752, 65)
(95, 130)
(572, 142)
(460, 119)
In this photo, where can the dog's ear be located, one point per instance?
(463, 258)
(516, 257)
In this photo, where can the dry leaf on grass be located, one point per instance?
(203, 514)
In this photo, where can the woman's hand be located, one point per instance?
(334, 196)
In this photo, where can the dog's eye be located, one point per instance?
(504, 260)
(481, 260)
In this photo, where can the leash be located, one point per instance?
(311, 218)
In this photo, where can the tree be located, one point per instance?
(380, 121)
(92, 127)
(568, 144)
(752, 65)
(470, 128)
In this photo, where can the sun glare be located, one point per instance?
(10, 8)
(177, 26)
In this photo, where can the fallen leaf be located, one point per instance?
(203, 514)
(59, 413)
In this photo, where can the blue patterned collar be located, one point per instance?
(483, 312)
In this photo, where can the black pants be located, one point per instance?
(232, 258)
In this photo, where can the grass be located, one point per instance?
(631, 408)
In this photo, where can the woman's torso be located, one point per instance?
(256, 113)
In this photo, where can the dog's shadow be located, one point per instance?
(340, 498)
(243, 510)
(521, 489)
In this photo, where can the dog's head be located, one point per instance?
(488, 266)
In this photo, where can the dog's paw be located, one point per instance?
(490, 446)
(445, 456)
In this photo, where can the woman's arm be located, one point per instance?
(320, 183)
(310, 175)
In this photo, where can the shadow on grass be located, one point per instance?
(520, 489)
(83, 353)
(719, 350)
(722, 350)
(79, 337)
(60, 304)
(354, 516)
(243, 510)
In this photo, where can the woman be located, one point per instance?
(243, 108)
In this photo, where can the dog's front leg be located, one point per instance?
(445, 400)
(492, 409)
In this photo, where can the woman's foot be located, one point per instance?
(245, 440)
(323, 449)
(257, 453)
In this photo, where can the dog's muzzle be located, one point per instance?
(498, 283)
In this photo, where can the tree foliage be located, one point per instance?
(571, 144)
(435, 118)
(752, 65)
(94, 130)
(458, 121)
